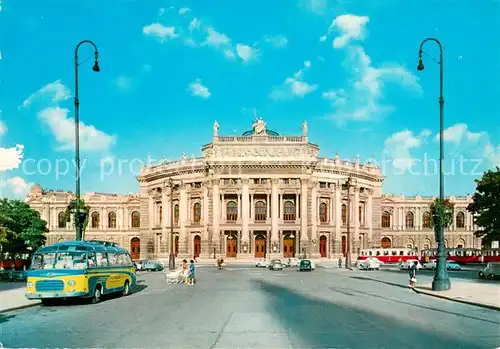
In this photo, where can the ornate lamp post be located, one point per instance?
(79, 219)
(441, 280)
(349, 183)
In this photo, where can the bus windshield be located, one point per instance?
(61, 260)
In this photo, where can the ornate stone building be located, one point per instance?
(255, 195)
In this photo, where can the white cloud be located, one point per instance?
(0, 55)
(351, 27)
(14, 187)
(3, 128)
(361, 99)
(216, 39)
(54, 92)
(10, 158)
(63, 128)
(279, 41)
(246, 53)
(197, 89)
(160, 31)
(492, 154)
(315, 6)
(397, 147)
(184, 10)
(294, 86)
(459, 132)
(124, 82)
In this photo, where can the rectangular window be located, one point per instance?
(102, 259)
(114, 259)
(91, 260)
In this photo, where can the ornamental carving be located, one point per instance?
(263, 152)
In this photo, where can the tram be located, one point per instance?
(459, 255)
(389, 255)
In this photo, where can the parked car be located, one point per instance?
(430, 265)
(491, 271)
(138, 265)
(291, 262)
(369, 264)
(452, 265)
(263, 263)
(305, 265)
(408, 263)
(277, 266)
(272, 263)
(152, 266)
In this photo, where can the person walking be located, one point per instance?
(340, 262)
(412, 271)
(191, 275)
(185, 271)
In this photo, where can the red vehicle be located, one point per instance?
(389, 255)
(491, 255)
(459, 255)
(17, 264)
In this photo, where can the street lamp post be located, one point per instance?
(441, 280)
(171, 255)
(78, 220)
(348, 262)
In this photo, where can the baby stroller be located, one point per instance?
(175, 277)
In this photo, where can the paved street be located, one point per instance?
(258, 308)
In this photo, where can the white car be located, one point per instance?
(430, 265)
(276, 266)
(263, 263)
(407, 264)
(369, 264)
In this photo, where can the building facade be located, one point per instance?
(254, 196)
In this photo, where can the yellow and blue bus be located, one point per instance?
(85, 269)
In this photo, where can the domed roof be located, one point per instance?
(268, 132)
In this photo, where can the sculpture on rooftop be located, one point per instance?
(216, 129)
(259, 126)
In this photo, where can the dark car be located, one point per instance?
(305, 265)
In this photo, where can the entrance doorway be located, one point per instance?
(322, 246)
(176, 245)
(289, 246)
(197, 246)
(344, 246)
(260, 246)
(231, 246)
(135, 248)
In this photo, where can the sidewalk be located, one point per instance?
(478, 294)
(11, 299)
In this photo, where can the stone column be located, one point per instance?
(314, 248)
(224, 208)
(268, 206)
(274, 218)
(165, 203)
(338, 220)
(369, 217)
(144, 211)
(356, 242)
(183, 202)
(303, 214)
(239, 205)
(216, 216)
(297, 206)
(245, 212)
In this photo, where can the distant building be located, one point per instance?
(256, 195)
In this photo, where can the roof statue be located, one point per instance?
(304, 129)
(259, 126)
(216, 129)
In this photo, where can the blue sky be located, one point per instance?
(170, 68)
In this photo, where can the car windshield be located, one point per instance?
(63, 260)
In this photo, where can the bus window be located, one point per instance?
(102, 259)
(43, 261)
(91, 260)
(114, 259)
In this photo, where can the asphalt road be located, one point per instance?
(258, 308)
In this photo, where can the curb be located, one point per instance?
(19, 307)
(480, 305)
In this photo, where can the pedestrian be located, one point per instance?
(340, 262)
(412, 271)
(191, 277)
(185, 271)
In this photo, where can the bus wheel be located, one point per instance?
(97, 294)
(126, 288)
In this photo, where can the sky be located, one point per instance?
(169, 69)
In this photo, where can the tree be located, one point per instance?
(21, 228)
(71, 212)
(485, 206)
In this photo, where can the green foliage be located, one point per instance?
(21, 228)
(71, 212)
(442, 211)
(486, 206)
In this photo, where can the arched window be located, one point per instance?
(288, 211)
(385, 242)
(176, 214)
(323, 212)
(95, 220)
(197, 212)
(344, 214)
(111, 220)
(409, 220)
(426, 220)
(231, 211)
(61, 220)
(136, 219)
(460, 220)
(260, 211)
(386, 219)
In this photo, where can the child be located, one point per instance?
(191, 273)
